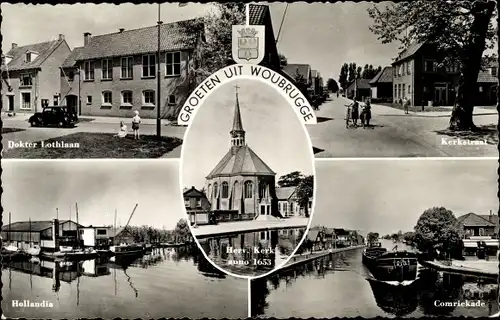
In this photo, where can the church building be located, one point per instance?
(242, 186)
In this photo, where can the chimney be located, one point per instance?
(491, 216)
(86, 38)
(121, 30)
(61, 37)
(14, 45)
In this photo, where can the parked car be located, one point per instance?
(54, 116)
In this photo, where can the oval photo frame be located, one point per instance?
(295, 99)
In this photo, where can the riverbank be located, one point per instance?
(476, 268)
(303, 258)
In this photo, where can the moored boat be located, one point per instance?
(388, 266)
(33, 251)
(126, 249)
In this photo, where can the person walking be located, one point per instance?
(366, 114)
(405, 105)
(355, 112)
(348, 115)
(136, 121)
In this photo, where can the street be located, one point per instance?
(395, 134)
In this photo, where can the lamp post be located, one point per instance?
(158, 93)
(79, 92)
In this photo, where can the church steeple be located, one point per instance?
(237, 133)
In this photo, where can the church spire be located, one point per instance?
(237, 133)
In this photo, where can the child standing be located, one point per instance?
(348, 115)
(136, 121)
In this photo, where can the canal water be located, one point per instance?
(167, 283)
(252, 253)
(340, 286)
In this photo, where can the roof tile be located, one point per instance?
(174, 36)
(384, 76)
(243, 161)
(44, 49)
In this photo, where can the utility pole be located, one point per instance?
(158, 93)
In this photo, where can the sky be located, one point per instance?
(273, 132)
(34, 189)
(386, 196)
(322, 35)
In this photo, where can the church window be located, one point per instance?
(215, 190)
(209, 190)
(248, 189)
(225, 190)
(236, 190)
(262, 190)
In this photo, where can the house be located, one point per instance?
(359, 89)
(261, 15)
(315, 238)
(49, 235)
(115, 74)
(301, 76)
(329, 238)
(288, 204)
(197, 206)
(342, 238)
(30, 75)
(476, 228)
(121, 235)
(96, 237)
(418, 77)
(381, 85)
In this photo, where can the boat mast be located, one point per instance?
(114, 230)
(30, 231)
(77, 230)
(8, 238)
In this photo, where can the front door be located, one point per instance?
(10, 103)
(440, 96)
(71, 101)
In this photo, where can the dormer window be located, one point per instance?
(28, 56)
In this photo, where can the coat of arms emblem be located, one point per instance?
(248, 44)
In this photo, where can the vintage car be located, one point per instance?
(54, 116)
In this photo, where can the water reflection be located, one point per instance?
(344, 287)
(153, 285)
(252, 253)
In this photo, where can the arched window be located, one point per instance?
(126, 98)
(236, 190)
(225, 190)
(209, 190)
(248, 189)
(262, 189)
(215, 190)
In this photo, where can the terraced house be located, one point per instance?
(30, 75)
(115, 74)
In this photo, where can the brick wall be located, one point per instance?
(49, 76)
(170, 85)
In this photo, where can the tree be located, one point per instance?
(283, 60)
(304, 192)
(181, 230)
(372, 237)
(352, 72)
(332, 85)
(365, 72)
(358, 72)
(216, 51)
(291, 179)
(343, 77)
(459, 30)
(437, 229)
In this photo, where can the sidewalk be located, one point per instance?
(478, 111)
(248, 226)
(305, 257)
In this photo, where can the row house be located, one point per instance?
(301, 75)
(30, 75)
(479, 228)
(381, 86)
(197, 206)
(418, 78)
(288, 204)
(359, 89)
(115, 74)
